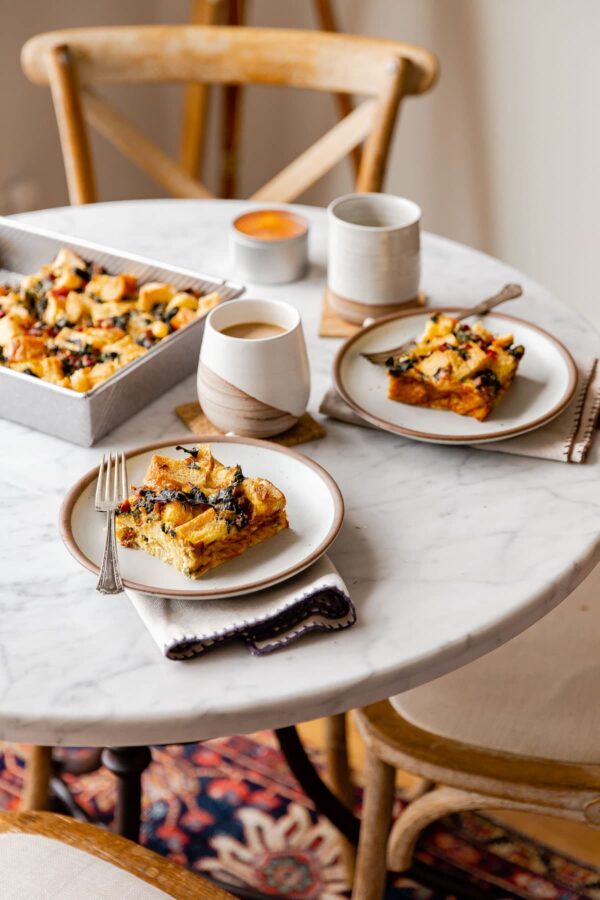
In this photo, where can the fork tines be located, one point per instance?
(387, 357)
(111, 487)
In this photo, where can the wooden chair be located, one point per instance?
(42, 854)
(74, 62)
(518, 729)
(232, 12)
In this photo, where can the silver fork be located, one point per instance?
(508, 292)
(111, 489)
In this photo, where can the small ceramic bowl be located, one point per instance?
(269, 246)
(255, 387)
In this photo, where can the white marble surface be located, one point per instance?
(448, 551)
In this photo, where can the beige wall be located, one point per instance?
(503, 155)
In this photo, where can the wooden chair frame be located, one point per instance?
(457, 777)
(146, 865)
(72, 62)
(197, 97)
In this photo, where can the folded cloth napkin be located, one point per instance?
(567, 438)
(314, 600)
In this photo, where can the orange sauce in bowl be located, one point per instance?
(271, 225)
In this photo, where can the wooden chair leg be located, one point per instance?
(196, 98)
(72, 129)
(369, 879)
(338, 772)
(38, 769)
(232, 106)
(327, 22)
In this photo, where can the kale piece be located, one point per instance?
(404, 365)
(487, 378)
(120, 321)
(86, 273)
(462, 333)
(192, 452)
(226, 502)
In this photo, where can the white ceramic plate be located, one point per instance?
(544, 384)
(314, 506)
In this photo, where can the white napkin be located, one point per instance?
(314, 600)
(567, 438)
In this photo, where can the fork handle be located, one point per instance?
(110, 577)
(508, 292)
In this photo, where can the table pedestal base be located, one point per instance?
(314, 787)
(128, 764)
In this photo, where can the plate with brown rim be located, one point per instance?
(314, 506)
(543, 386)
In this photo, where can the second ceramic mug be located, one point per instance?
(374, 254)
(258, 386)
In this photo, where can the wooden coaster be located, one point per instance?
(332, 324)
(306, 428)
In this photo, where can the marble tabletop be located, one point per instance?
(448, 551)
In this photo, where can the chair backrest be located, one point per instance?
(72, 62)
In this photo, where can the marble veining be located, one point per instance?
(448, 552)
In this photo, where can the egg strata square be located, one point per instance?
(463, 368)
(74, 325)
(196, 513)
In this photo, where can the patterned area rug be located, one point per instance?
(230, 808)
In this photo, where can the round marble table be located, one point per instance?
(447, 551)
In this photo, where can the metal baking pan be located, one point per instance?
(84, 418)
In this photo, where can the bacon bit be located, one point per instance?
(2, 313)
(125, 506)
(492, 354)
(130, 283)
(59, 292)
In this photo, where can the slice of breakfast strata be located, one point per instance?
(196, 513)
(455, 366)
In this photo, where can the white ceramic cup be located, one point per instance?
(275, 261)
(256, 387)
(374, 254)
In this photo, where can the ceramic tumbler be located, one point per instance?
(374, 264)
(257, 387)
